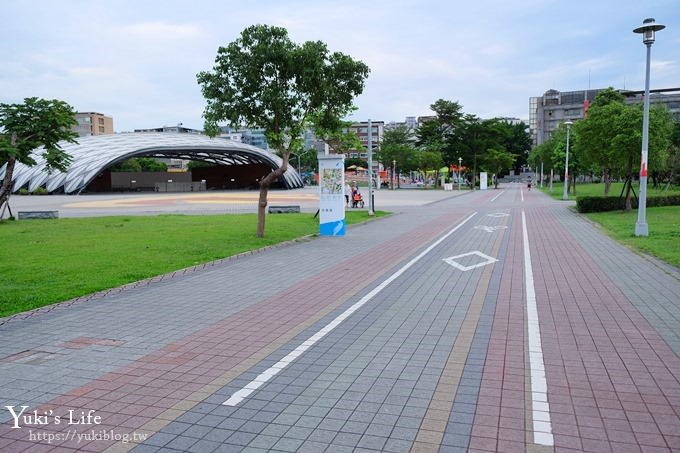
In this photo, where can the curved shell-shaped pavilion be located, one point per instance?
(92, 154)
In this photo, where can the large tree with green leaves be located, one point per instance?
(26, 127)
(515, 139)
(610, 138)
(443, 133)
(673, 157)
(263, 79)
(336, 132)
(497, 161)
(598, 146)
(397, 150)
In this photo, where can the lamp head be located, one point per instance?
(648, 29)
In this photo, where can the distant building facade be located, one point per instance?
(93, 123)
(547, 112)
(254, 137)
(178, 129)
(172, 163)
(361, 129)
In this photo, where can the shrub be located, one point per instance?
(603, 204)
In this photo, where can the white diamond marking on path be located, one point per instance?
(487, 260)
(490, 229)
(498, 214)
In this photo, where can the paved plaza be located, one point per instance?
(481, 321)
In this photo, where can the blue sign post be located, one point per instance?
(331, 195)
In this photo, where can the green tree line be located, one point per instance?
(452, 136)
(606, 145)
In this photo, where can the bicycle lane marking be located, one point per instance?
(444, 425)
(539, 390)
(272, 371)
(494, 198)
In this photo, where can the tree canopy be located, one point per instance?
(263, 79)
(608, 141)
(497, 161)
(25, 127)
(453, 133)
(136, 164)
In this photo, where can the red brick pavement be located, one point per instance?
(612, 380)
(501, 406)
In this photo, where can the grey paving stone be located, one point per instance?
(181, 443)
(287, 444)
(160, 439)
(299, 432)
(347, 439)
(312, 447)
(250, 426)
(241, 438)
(275, 430)
(397, 446)
(218, 435)
(372, 442)
(264, 441)
(232, 424)
(146, 449)
(197, 431)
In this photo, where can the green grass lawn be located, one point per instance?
(48, 261)
(597, 190)
(664, 231)
(664, 223)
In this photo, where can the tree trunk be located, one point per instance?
(607, 183)
(6, 188)
(474, 172)
(265, 184)
(629, 206)
(671, 175)
(573, 186)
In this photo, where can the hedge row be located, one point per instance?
(602, 204)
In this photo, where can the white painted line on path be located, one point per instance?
(272, 371)
(521, 193)
(539, 387)
(494, 198)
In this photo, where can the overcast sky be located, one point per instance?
(137, 61)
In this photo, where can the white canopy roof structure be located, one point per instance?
(92, 154)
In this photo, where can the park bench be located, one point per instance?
(284, 209)
(23, 215)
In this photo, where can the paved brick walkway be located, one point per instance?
(436, 329)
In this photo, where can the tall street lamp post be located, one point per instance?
(565, 195)
(370, 168)
(460, 161)
(394, 169)
(648, 28)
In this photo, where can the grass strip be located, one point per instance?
(47, 261)
(597, 190)
(664, 231)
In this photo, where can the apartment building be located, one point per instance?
(547, 112)
(361, 129)
(93, 123)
